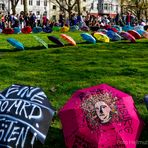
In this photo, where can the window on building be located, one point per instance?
(61, 9)
(45, 2)
(92, 6)
(30, 2)
(111, 7)
(84, 8)
(97, 6)
(3, 6)
(54, 7)
(117, 8)
(105, 6)
(38, 2)
(0, 6)
(45, 13)
(76, 8)
(54, 17)
(38, 12)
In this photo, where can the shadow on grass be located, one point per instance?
(85, 42)
(35, 48)
(142, 42)
(54, 46)
(26, 48)
(54, 139)
(9, 50)
(127, 41)
(143, 141)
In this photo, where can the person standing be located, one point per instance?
(61, 20)
(117, 17)
(26, 20)
(38, 17)
(44, 20)
(33, 20)
(2, 20)
(128, 19)
(21, 21)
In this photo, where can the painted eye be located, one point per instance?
(103, 106)
(97, 109)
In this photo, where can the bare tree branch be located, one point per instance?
(66, 5)
(14, 4)
(74, 3)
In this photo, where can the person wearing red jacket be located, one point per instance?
(128, 19)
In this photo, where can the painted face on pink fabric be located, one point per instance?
(103, 111)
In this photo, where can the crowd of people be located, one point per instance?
(32, 19)
(21, 20)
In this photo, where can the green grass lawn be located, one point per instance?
(121, 64)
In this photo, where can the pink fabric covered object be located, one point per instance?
(100, 117)
(128, 36)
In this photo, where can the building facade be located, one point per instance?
(3, 6)
(95, 7)
(34, 6)
(104, 7)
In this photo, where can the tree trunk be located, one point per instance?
(146, 15)
(138, 14)
(13, 5)
(79, 10)
(25, 7)
(121, 10)
(69, 13)
(13, 9)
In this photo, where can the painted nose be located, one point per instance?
(101, 111)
